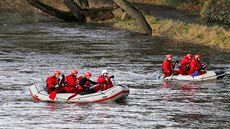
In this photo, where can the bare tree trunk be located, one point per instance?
(74, 8)
(67, 16)
(84, 3)
(135, 14)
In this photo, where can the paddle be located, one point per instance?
(197, 71)
(52, 95)
(113, 80)
(174, 68)
(70, 97)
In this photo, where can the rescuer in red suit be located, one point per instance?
(54, 83)
(168, 66)
(185, 64)
(71, 82)
(85, 85)
(104, 80)
(196, 65)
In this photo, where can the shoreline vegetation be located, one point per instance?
(215, 36)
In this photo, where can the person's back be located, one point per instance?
(71, 82)
(168, 66)
(185, 64)
(195, 65)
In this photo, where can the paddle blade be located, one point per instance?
(72, 96)
(53, 95)
(195, 73)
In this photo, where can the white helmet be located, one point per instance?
(103, 72)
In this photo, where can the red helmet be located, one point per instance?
(88, 74)
(189, 55)
(74, 71)
(168, 56)
(57, 72)
(197, 56)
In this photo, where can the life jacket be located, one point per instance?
(104, 82)
(194, 65)
(86, 84)
(70, 81)
(185, 64)
(167, 67)
(51, 82)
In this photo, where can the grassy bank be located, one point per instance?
(190, 5)
(180, 31)
(214, 36)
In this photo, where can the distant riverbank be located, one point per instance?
(182, 30)
(178, 28)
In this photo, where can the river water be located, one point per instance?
(34, 45)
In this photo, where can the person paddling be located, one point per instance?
(168, 66)
(53, 83)
(104, 80)
(196, 65)
(185, 64)
(71, 82)
(85, 85)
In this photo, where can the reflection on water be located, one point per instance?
(32, 48)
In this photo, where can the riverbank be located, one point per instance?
(165, 22)
(183, 31)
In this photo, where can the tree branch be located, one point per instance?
(67, 16)
(74, 8)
